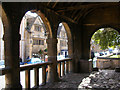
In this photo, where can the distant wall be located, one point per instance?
(107, 63)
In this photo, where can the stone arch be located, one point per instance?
(70, 45)
(97, 46)
(69, 36)
(45, 21)
(6, 35)
(68, 31)
(99, 17)
(97, 28)
(104, 26)
(43, 17)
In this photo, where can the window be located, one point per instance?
(41, 42)
(38, 42)
(63, 43)
(37, 28)
(35, 42)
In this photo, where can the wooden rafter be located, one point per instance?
(67, 18)
(63, 9)
(51, 10)
(74, 11)
(79, 14)
(48, 3)
(55, 3)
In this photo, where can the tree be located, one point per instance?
(45, 50)
(40, 51)
(106, 37)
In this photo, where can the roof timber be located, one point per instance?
(49, 9)
(80, 14)
(63, 16)
(55, 4)
(63, 9)
(74, 11)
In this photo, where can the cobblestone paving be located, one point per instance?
(103, 79)
(69, 81)
(108, 79)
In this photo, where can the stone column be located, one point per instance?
(11, 40)
(52, 56)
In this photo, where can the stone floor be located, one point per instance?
(104, 79)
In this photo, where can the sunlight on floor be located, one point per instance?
(102, 79)
(86, 81)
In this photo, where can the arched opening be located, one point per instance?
(33, 37)
(62, 45)
(64, 40)
(1, 42)
(105, 42)
(64, 48)
(34, 30)
(2, 55)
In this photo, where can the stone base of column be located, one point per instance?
(95, 69)
(85, 66)
(52, 75)
(10, 87)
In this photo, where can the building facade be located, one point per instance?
(1, 41)
(33, 37)
(62, 46)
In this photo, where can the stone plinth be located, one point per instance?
(85, 66)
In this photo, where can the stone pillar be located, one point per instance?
(52, 56)
(70, 54)
(11, 40)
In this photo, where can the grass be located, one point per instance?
(115, 56)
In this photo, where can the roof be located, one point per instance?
(30, 22)
(75, 11)
(59, 29)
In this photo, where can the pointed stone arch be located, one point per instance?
(70, 43)
(6, 35)
(45, 21)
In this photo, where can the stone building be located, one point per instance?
(62, 46)
(1, 41)
(33, 36)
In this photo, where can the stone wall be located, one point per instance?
(108, 63)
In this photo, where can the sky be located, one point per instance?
(31, 14)
(34, 15)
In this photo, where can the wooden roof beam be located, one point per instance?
(64, 17)
(55, 3)
(48, 3)
(63, 9)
